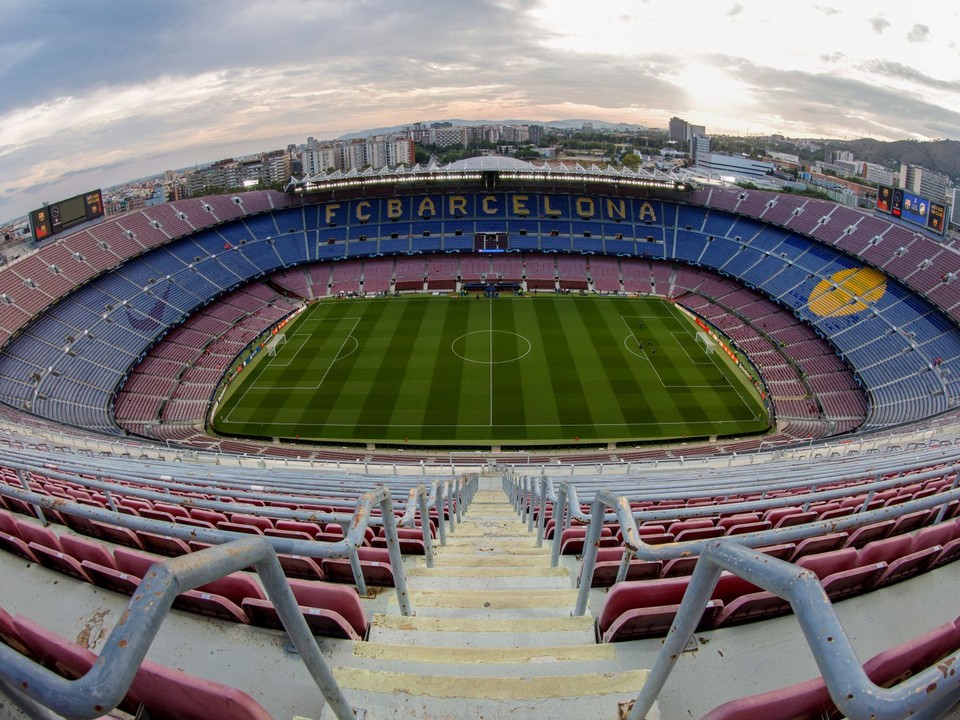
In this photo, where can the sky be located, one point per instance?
(98, 92)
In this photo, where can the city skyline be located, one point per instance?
(92, 97)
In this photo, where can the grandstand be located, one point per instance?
(481, 584)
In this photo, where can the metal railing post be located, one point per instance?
(21, 476)
(396, 559)
(542, 511)
(441, 523)
(558, 524)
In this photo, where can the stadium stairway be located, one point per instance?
(492, 637)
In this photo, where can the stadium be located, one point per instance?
(632, 549)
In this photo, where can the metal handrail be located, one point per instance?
(107, 682)
(719, 485)
(346, 548)
(853, 692)
(634, 546)
(567, 502)
(166, 488)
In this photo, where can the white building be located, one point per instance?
(923, 182)
(736, 165)
(699, 146)
(877, 174)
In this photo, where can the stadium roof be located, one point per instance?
(476, 166)
(490, 162)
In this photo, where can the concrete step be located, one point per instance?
(487, 560)
(489, 599)
(411, 707)
(492, 548)
(461, 631)
(530, 579)
(407, 654)
(498, 539)
(482, 530)
(481, 686)
(487, 571)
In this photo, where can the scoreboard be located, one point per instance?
(59, 216)
(912, 208)
(490, 242)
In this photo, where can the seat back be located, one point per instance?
(828, 563)
(132, 562)
(340, 599)
(83, 549)
(886, 550)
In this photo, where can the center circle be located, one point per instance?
(482, 347)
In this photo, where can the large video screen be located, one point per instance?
(490, 242)
(915, 209)
(938, 218)
(896, 202)
(884, 196)
(63, 215)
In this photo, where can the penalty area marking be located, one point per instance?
(340, 355)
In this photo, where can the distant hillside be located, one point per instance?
(940, 155)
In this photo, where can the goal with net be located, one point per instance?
(275, 343)
(706, 341)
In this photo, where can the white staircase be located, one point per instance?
(492, 635)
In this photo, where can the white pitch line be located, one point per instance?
(490, 333)
(356, 321)
(474, 425)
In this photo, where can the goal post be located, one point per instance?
(275, 343)
(704, 340)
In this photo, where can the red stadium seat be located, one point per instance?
(59, 561)
(330, 610)
(159, 690)
(374, 563)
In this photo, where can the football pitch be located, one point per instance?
(510, 372)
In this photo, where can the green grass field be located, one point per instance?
(511, 371)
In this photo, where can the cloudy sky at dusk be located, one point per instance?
(97, 92)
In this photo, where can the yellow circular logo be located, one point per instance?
(847, 292)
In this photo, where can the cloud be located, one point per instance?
(879, 24)
(919, 33)
(898, 71)
(830, 105)
(92, 97)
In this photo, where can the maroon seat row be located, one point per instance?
(157, 691)
(331, 610)
(646, 608)
(609, 558)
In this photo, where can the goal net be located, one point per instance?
(706, 341)
(275, 343)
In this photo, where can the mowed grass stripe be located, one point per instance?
(622, 376)
(442, 401)
(568, 388)
(508, 395)
(413, 385)
(473, 352)
(399, 326)
(677, 400)
(339, 398)
(534, 373)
